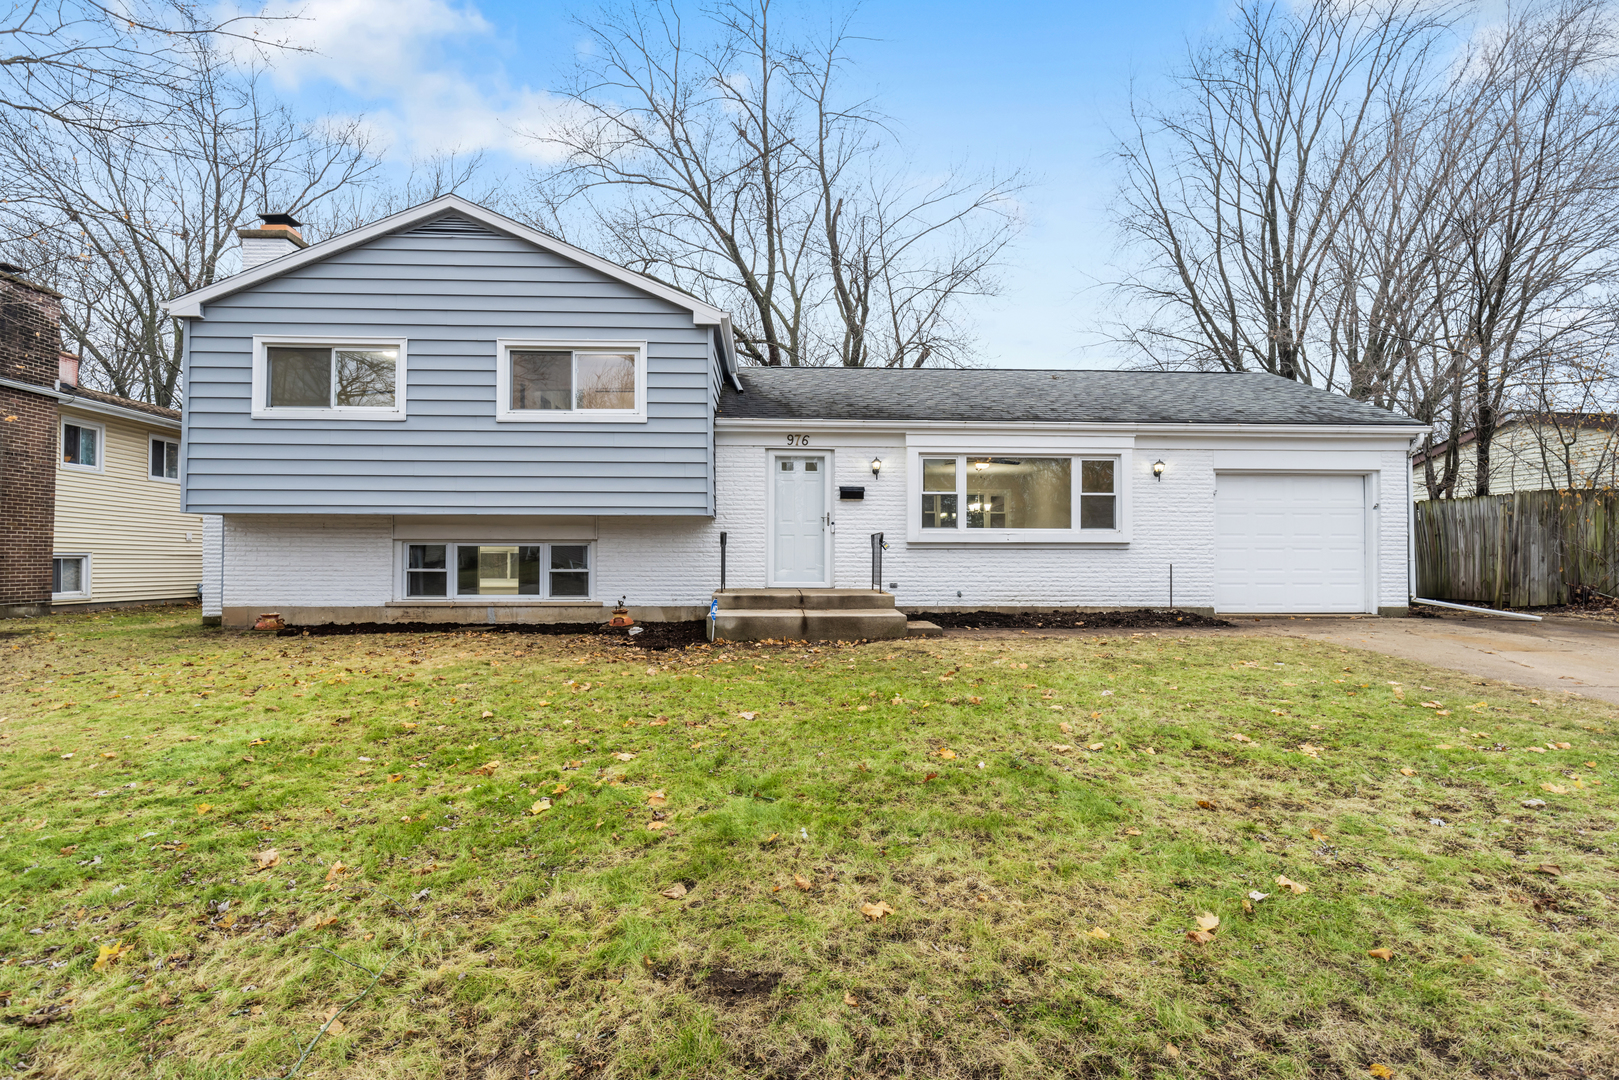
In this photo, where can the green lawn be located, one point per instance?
(246, 830)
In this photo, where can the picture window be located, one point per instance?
(983, 492)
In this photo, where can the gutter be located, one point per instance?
(67, 397)
(1345, 430)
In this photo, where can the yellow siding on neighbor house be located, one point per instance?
(130, 524)
(1518, 462)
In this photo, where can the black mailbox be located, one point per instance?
(851, 492)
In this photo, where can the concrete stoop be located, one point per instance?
(807, 615)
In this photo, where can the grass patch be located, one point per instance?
(570, 858)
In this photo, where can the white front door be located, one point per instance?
(801, 522)
(1290, 543)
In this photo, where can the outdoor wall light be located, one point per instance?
(1158, 469)
(876, 467)
(981, 465)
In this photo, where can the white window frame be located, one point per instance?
(101, 445)
(965, 449)
(402, 568)
(154, 437)
(262, 409)
(84, 576)
(505, 414)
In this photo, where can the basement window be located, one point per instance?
(534, 571)
(70, 577)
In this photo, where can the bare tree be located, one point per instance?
(723, 156)
(119, 225)
(80, 63)
(1235, 192)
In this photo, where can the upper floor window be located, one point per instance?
(309, 379)
(81, 445)
(165, 460)
(600, 382)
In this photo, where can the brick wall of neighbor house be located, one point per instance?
(341, 568)
(30, 341)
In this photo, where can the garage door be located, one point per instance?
(1289, 542)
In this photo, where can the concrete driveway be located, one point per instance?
(1557, 654)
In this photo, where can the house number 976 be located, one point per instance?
(798, 440)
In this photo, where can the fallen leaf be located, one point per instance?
(203, 808)
(1171, 1051)
(1380, 954)
(1208, 921)
(947, 753)
(1202, 937)
(1292, 886)
(1206, 804)
(1467, 958)
(1132, 832)
(1256, 896)
(1310, 751)
(394, 778)
(876, 912)
(747, 715)
(486, 715)
(802, 882)
(1408, 771)
(335, 871)
(1317, 834)
(624, 756)
(1065, 727)
(487, 768)
(654, 826)
(109, 754)
(1550, 869)
(334, 1026)
(1535, 749)
(1240, 737)
(559, 789)
(1559, 746)
(656, 798)
(70, 849)
(1096, 746)
(1555, 789)
(109, 954)
(675, 891)
(540, 807)
(1381, 1071)
(1060, 748)
(1098, 933)
(849, 999)
(325, 924)
(267, 858)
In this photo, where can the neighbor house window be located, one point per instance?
(974, 493)
(541, 381)
(296, 379)
(70, 577)
(165, 463)
(542, 571)
(81, 445)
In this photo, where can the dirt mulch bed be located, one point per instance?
(653, 635)
(1145, 619)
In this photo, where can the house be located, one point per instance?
(90, 509)
(1532, 452)
(449, 416)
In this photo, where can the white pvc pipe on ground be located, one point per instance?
(1475, 610)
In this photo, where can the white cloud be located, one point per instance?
(423, 73)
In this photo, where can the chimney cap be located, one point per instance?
(281, 219)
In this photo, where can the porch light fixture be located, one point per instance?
(876, 467)
(1158, 469)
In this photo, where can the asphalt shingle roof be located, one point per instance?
(1041, 396)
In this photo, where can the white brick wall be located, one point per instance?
(213, 536)
(338, 561)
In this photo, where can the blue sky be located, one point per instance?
(1035, 86)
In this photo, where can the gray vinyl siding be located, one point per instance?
(451, 295)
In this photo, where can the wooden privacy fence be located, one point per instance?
(1520, 550)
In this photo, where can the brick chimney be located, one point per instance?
(30, 344)
(277, 235)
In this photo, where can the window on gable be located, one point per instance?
(81, 445)
(165, 463)
(304, 381)
(546, 382)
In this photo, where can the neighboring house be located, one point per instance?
(449, 416)
(91, 497)
(1534, 452)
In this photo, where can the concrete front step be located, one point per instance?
(918, 628)
(809, 624)
(806, 599)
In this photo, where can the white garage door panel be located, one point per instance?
(1290, 542)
